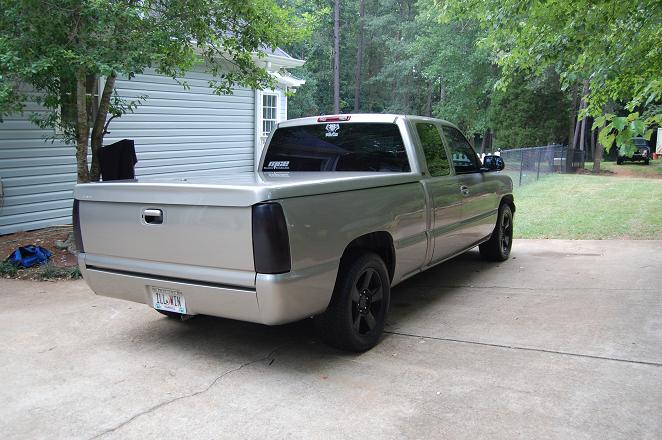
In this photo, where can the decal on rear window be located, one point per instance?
(332, 130)
(278, 165)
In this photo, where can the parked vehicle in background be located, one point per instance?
(340, 209)
(642, 153)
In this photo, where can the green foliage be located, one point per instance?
(615, 46)
(530, 112)
(414, 64)
(48, 45)
(622, 129)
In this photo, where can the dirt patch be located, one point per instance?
(589, 172)
(633, 170)
(62, 264)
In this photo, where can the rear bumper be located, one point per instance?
(267, 299)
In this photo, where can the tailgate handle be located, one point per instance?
(153, 216)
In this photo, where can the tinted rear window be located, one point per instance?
(337, 147)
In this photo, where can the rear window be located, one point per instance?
(640, 142)
(337, 147)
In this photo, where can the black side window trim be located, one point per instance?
(449, 150)
(444, 150)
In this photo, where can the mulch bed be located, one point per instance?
(62, 264)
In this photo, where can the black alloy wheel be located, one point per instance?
(367, 298)
(357, 312)
(498, 247)
(506, 232)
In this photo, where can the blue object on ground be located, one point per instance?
(28, 256)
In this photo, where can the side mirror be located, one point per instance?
(493, 163)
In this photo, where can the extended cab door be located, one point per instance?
(442, 188)
(479, 198)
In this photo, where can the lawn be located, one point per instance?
(575, 206)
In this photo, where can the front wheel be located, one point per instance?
(497, 248)
(357, 312)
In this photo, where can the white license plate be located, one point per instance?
(170, 300)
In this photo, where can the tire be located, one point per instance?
(619, 161)
(498, 247)
(647, 162)
(356, 315)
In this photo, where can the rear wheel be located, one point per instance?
(356, 314)
(646, 161)
(619, 161)
(497, 248)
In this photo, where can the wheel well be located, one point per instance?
(508, 200)
(380, 243)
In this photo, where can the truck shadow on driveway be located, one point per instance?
(223, 338)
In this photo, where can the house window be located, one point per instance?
(269, 113)
(68, 110)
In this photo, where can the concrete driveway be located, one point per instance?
(562, 341)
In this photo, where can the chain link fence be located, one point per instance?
(527, 165)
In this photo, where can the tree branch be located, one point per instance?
(100, 126)
(82, 128)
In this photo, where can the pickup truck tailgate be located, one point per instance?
(190, 234)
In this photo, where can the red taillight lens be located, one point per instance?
(340, 118)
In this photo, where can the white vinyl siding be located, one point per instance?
(177, 131)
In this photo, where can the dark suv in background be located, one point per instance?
(642, 153)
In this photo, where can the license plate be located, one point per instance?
(170, 300)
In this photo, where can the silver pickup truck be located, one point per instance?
(339, 210)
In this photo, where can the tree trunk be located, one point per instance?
(442, 91)
(582, 138)
(359, 58)
(597, 157)
(575, 138)
(428, 102)
(582, 135)
(487, 138)
(336, 56)
(82, 128)
(573, 117)
(98, 131)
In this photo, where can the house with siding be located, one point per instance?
(177, 131)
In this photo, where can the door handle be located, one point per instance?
(153, 216)
(464, 190)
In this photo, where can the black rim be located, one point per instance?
(506, 232)
(367, 298)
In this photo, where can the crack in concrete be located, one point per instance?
(186, 396)
(516, 347)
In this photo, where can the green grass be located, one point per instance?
(574, 206)
(7, 270)
(653, 169)
(45, 272)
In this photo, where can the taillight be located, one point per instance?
(340, 118)
(271, 242)
(75, 219)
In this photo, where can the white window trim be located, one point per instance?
(259, 139)
(101, 83)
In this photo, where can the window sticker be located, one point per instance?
(279, 165)
(332, 130)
